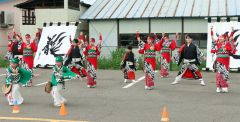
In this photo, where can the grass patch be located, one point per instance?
(113, 62)
(3, 63)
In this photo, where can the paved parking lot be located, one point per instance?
(110, 102)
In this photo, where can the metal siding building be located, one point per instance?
(114, 18)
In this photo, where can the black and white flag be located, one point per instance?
(54, 42)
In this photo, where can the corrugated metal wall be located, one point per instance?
(121, 9)
(108, 28)
(130, 26)
(166, 25)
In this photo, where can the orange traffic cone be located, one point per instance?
(63, 110)
(165, 115)
(16, 109)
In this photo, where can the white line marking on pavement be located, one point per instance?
(40, 84)
(134, 82)
(2, 75)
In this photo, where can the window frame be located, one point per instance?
(28, 17)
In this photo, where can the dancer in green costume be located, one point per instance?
(16, 76)
(60, 74)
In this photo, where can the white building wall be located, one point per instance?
(17, 13)
(131, 25)
(108, 28)
(83, 25)
(195, 25)
(54, 15)
(45, 15)
(167, 25)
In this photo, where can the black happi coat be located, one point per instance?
(189, 52)
(74, 53)
(129, 56)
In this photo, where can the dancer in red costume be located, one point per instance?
(29, 48)
(92, 52)
(16, 46)
(166, 46)
(149, 51)
(222, 48)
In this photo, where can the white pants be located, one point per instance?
(57, 97)
(15, 97)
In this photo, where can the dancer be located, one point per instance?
(60, 74)
(92, 53)
(128, 65)
(16, 46)
(222, 48)
(75, 58)
(190, 56)
(149, 50)
(29, 48)
(16, 76)
(166, 46)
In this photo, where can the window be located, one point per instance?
(200, 39)
(172, 36)
(2, 19)
(130, 39)
(28, 17)
(50, 4)
(73, 4)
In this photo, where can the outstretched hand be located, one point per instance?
(163, 34)
(138, 37)
(176, 35)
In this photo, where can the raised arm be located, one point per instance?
(138, 36)
(173, 44)
(158, 42)
(231, 35)
(100, 41)
(212, 34)
(141, 44)
(214, 43)
(86, 41)
(232, 41)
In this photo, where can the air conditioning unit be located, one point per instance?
(6, 19)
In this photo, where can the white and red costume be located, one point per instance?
(28, 53)
(16, 47)
(166, 46)
(92, 52)
(149, 52)
(221, 64)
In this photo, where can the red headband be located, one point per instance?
(151, 38)
(92, 40)
(223, 36)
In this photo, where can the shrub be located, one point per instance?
(3, 63)
(113, 62)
